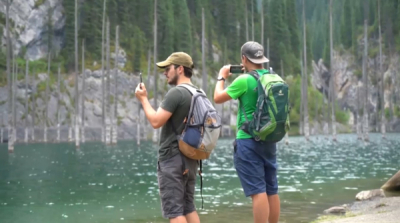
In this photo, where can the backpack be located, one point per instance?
(202, 129)
(271, 116)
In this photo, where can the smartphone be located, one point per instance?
(141, 81)
(236, 69)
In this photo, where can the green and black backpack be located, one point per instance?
(271, 116)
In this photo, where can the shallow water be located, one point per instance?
(57, 183)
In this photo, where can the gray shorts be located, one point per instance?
(177, 190)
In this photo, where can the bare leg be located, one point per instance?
(260, 208)
(193, 217)
(274, 208)
(180, 219)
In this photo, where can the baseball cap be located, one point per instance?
(178, 58)
(254, 52)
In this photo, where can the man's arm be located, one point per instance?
(156, 118)
(220, 94)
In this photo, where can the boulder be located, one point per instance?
(336, 210)
(393, 184)
(368, 194)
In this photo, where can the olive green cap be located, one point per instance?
(178, 58)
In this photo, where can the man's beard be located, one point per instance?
(174, 80)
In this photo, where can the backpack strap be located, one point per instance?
(192, 90)
(254, 74)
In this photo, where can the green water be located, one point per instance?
(57, 183)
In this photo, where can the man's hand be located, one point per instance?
(224, 71)
(141, 93)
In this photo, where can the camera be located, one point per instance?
(236, 69)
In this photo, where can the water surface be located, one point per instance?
(57, 183)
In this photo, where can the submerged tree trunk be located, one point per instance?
(46, 98)
(203, 53)
(155, 131)
(115, 116)
(301, 120)
(77, 141)
(34, 89)
(83, 93)
(108, 92)
(305, 106)
(365, 74)
(383, 127)
(10, 141)
(26, 101)
(14, 86)
(333, 97)
(58, 103)
(103, 135)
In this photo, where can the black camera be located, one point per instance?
(236, 69)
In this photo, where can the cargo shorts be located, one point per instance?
(177, 190)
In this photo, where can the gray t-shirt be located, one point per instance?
(177, 101)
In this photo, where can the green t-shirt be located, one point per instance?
(177, 101)
(244, 89)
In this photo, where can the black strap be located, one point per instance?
(201, 183)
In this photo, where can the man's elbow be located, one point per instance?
(155, 125)
(217, 99)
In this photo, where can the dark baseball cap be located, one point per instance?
(178, 58)
(254, 52)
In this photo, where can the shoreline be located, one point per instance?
(376, 209)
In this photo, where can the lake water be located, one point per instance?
(57, 183)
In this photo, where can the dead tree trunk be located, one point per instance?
(301, 120)
(115, 116)
(203, 53)
(83, 93)
(46, 98)
(26, 101)
(10, 141)
(365, 74)
(58, 103)
(103, 127)
(333, 97)
(305, 106)
(155, 132)
(108, 93)
(77, 141)
(383, 121)
(34, 91)
(14, 87)
(247, 22)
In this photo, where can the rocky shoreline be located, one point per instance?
(379, 205)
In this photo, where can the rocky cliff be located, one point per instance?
(349, 88)
(29, 26)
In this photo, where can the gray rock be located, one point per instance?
(335, 210)
(368, 194)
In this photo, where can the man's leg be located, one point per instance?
(190, 209)
(261, 208)
(274, 208)
(193, 217)
(180, 219)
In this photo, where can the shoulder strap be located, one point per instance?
(254, 74)
(191, 89)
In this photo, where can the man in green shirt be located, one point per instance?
(255, 161)
(176, 173)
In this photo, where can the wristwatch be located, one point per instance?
(221, 79)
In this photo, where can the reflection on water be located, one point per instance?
(56, 183)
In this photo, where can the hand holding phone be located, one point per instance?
(236, 69)
(141, 81)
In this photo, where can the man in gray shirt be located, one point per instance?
(176, 173)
